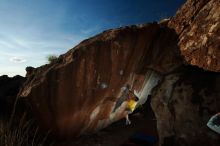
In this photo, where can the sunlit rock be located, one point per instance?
(80, 91)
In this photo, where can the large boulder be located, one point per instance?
(81, 92)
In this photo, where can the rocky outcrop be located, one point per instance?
(183, 103)
(78, 92)
(184, 100)
(9, 88)
(197, 23)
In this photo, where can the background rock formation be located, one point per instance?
(9, 88)
(185, 100)
(197, 23)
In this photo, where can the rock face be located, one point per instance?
(78, 92)
(183, 103)
(184, 100)
(9, 88)
(197, 23)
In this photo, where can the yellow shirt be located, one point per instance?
(131, 105)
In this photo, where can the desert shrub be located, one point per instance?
(51, 58)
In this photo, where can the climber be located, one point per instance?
(132, 101)
(123, 97)
(214, 123)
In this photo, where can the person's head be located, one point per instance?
(136, 98)
(125, 87)
(133, 97)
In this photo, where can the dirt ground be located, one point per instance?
(118, 133)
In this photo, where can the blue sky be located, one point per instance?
(30, 30)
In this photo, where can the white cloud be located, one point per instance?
(17, 60)
(18, 52)
(25, 41)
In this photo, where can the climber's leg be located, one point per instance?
(128, 122)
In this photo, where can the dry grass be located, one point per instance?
(21, 134)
